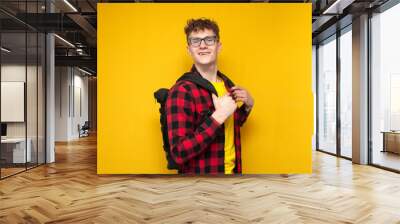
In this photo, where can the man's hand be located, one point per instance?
(225, 106)
(241, 94)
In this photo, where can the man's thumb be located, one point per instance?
(214, 97)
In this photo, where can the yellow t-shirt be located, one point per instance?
(229, 146)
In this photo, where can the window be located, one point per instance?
(327, 95)
(346, 93)
(385, 88)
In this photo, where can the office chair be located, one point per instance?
(84, 130)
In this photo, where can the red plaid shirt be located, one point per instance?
(196, 139)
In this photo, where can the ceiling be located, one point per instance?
(76, 22)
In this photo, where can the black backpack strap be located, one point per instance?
(227, 80)
(197, 79)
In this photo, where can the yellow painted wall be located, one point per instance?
(266, 48)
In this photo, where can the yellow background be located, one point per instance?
(266, 48)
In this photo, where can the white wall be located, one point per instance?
(79, 117)
(71, 93)
(16, 72)
(62, 78)
(12, 73)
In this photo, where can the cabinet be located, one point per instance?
(391, 142)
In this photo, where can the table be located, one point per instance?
(391, 141)
(15, 148)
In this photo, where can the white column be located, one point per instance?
(50, 92)
(50, 100)
(360, 90)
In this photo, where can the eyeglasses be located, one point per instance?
(209, 41)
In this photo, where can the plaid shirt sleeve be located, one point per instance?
(186, 139)
(242, 114)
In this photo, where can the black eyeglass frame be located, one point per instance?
(214, 41)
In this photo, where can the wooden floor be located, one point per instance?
(387, 159)
(69, 191)
(5, 172)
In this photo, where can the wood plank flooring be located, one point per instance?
(10, 171)
(70, 191)
(387, 159)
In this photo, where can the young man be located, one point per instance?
(204, 129)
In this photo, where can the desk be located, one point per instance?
(15, 148)
(391, 141)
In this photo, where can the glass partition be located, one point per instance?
(346, 93)
(327, 95)
(22, 77)
(14, 153)
(385, 89)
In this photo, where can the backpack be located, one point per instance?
(161, 96)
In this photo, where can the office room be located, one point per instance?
(157, 111)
